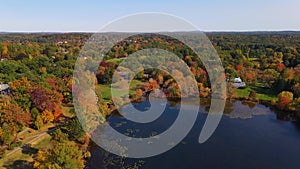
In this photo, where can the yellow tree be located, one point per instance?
(47, 116)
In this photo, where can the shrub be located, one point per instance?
(252, 95)
(273, 102)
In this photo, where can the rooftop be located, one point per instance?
(3, 87)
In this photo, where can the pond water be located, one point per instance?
(248, 137)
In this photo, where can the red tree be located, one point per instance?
(280, 67)
(283, 103)
(239, 67)
(45, 99)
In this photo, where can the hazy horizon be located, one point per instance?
(208, 31)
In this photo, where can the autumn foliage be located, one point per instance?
(285, 98)
(45, 99)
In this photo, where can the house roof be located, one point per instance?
(3, 87)
(238, 80)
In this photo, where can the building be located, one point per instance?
(4, 89)
(238, 80)
(238, 83)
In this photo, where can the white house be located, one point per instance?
(238, 83)
(238, 80)
(4, 89)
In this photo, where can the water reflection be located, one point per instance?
(249, 136)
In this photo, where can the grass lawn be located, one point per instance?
(106, 90)
(67, 111)
(261, 93)
(24, 158)
(17, 159)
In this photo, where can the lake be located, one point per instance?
(249, 136)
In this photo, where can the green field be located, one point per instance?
(105, 89)
(261, 93)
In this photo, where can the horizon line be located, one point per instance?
(205, 31)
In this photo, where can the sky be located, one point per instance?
(91, 15)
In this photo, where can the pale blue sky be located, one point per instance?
(207, 15)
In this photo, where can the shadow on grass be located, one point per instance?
(19, 164)
(29, 150)
(264, 90)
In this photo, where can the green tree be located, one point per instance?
(73, 129)
(59, 136)
(65, 155)
(38, 122)
(270, 76)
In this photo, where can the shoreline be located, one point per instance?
(268, 104)
(244, 100)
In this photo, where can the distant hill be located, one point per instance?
(207, 32)
(258, 32)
